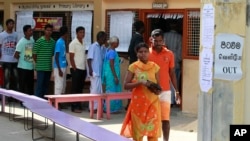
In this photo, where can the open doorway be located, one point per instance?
(163, 21)
(189, 27)
(170, 23)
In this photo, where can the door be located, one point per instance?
(187, 25)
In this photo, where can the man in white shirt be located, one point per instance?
(77, 68)
(95, 61)
(8, 41)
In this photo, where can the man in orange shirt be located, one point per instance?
(165, 59)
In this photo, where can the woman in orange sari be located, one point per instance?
(143, 115)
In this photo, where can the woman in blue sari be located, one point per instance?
(111, 74)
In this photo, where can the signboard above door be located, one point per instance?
(159, 5)
(40, 22)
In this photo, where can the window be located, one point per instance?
(66, 21)
(188, 21)
(66, 16)
(191, 39)
(108, 19)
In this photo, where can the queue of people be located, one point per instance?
(148, 112)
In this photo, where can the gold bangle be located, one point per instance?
(177, 92)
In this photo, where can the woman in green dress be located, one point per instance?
(111, 74)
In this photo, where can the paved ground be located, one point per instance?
(183, 127)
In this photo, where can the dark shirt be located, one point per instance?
(136, 39)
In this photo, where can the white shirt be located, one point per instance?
(79, 50)
(8, 42)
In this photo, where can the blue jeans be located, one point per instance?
(178, 78)
(42, 83)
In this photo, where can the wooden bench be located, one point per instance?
(112, 96)
(91, 98)
(56, 99)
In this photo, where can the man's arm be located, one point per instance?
(17, 55)
(112, 66)
(72, 61)
(58, 64)
(34, 56)
(0, 50)
(18, 50)
(90, 67)
(90, 56)
(174, 82)
(1, 44)
(35, 50)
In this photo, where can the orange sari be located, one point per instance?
(143, 117)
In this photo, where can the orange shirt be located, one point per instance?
(165, 59)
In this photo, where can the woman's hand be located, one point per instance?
(116, 80)
(157, 92)
(153, 87)
(144, 82)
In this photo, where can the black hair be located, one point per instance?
(138, 25)
(173, 24)
(63, 30)
(141, 45)
(156, 33)
(9, 21)
(26, 27)
(100, 35)
(48, 26)
(79, 28)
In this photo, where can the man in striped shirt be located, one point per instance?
(173, 41)
(42, 55)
